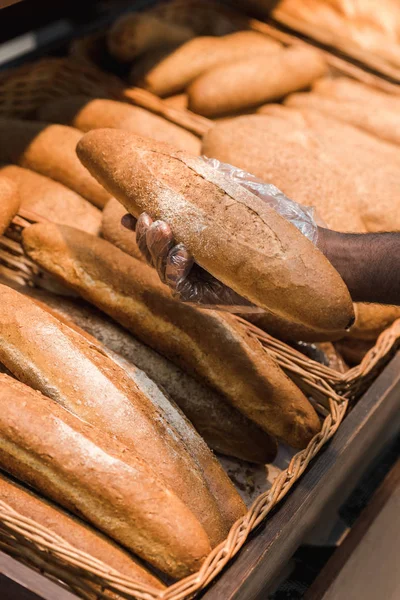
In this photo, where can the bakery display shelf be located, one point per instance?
(338, 466)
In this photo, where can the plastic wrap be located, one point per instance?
(176, 267)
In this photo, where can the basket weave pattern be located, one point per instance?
(21, 93)
(88, 577)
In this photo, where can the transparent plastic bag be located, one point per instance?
(302, 217)
(187, 280)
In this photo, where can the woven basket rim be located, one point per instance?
(37, 545)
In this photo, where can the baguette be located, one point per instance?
(9, 202)
(287, 331)
(230, 232)
(134, 34)
(173, 74)
(252, 81)
(230, 504)
(86, 113)
(224, 428)
(88, 472)
(208, 345)
(45, 354)
(113, 231)
(49, 150)
(73, 531)
(52, 200)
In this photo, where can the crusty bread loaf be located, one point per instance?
(43, 353)
(345, 88)
(113, 231)
(134, 34)
(52, 200)
(287, 331)
(87, 113)
(254, 80)
(229, 502)
(283, 151)
(350, 25)
(178, 69)
(224, 428)
(73, 531)
(49, 150)
(372, 319)
(88, 472)
(210, 345)
(379, 121)
(230, 232)
(372, 164)
(9, 202)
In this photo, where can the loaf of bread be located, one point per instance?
(144, 63)
(372, 164)
(48, 356)
(230, 232)
(283, 151)
(73, 531)
(88, 472)
(113, 230)
(344, 88)
(210, 345)
(224, 428)
(179, 68)
(287, 331)
(254, 80)
(378, 121)
(372, 319)
(49, 150)
(87, 113)
(52, 200)
(351, 25)
(134, 34)
(9, 202)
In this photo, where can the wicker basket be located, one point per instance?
(21, 92)
(87, 577)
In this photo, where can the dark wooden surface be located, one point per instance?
(374, 420)
(346, 574)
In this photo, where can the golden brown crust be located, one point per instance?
(205, 343)
(372, 319)
(254, 80)
(50, 357)
(288, 331)
(175, 72)
(281, 150)
(52, 200)
(87, 113)
(113, 231)
(74, 531)
(230, 232)
(49, 150)
(86, 471)
(224, 428)
(9, 202)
